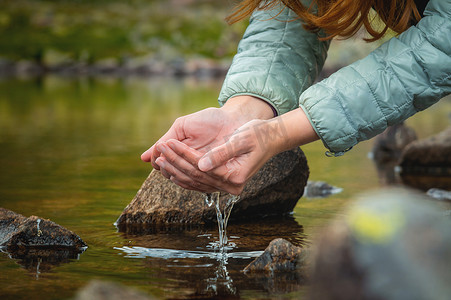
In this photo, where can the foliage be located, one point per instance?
(87, 31)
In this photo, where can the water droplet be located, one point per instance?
(38, 221)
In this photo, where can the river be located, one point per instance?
(69, 152)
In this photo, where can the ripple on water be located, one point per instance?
(142, 252)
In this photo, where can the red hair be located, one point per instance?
(341, 17)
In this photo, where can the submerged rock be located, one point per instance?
(102, 290)
(17, 231)
(274, 190)
(426, 163)
(392, 244)
(320, 189)
(439, 194)
(279, 256)
(281, 268)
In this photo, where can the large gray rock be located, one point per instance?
(17, 231)
(274, 190)
(426, 163)
(389, 245)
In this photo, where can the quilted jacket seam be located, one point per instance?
(366, 127)
(376, 99)
(273, 59)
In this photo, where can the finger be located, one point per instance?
(154, 155)
(180, 178)
(148, 156)
(175, 132)
(185, 151)
(164, 173)
(220, 155)
(186, 162)
(183, 163)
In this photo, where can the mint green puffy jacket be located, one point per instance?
(279, 61)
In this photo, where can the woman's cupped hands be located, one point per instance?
(226, 167)
(213, 149)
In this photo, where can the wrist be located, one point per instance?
(290, 130)
(246, 108)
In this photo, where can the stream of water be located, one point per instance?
(222, 216)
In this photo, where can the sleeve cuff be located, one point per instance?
(274, 108)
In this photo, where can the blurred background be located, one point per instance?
(140, 37)
(136, 36)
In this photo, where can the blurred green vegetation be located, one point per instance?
(88, 31)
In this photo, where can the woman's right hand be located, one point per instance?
(202, 131)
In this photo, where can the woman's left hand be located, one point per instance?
(229, 166)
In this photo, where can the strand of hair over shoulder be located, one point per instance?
(341, 17)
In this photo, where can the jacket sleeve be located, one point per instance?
(277, 60)
(405, 75)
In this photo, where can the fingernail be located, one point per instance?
(171, 143)
(205, 164)
(143, 158)
(160, 162)
(161, 148)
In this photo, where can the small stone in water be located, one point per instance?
(439, 194)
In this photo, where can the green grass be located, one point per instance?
(89, 31)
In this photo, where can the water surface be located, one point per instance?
(69, 152)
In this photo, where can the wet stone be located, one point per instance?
(274, 190)
(426, 163)
(279, 256)
(37, 244)
(320, 189)
(439, 194)
(17, 231)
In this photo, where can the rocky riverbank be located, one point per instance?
(201, 68)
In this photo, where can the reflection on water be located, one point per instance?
(194, 263)
(69, 152)
(222, 280)
(220, 284)
(38, 260)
